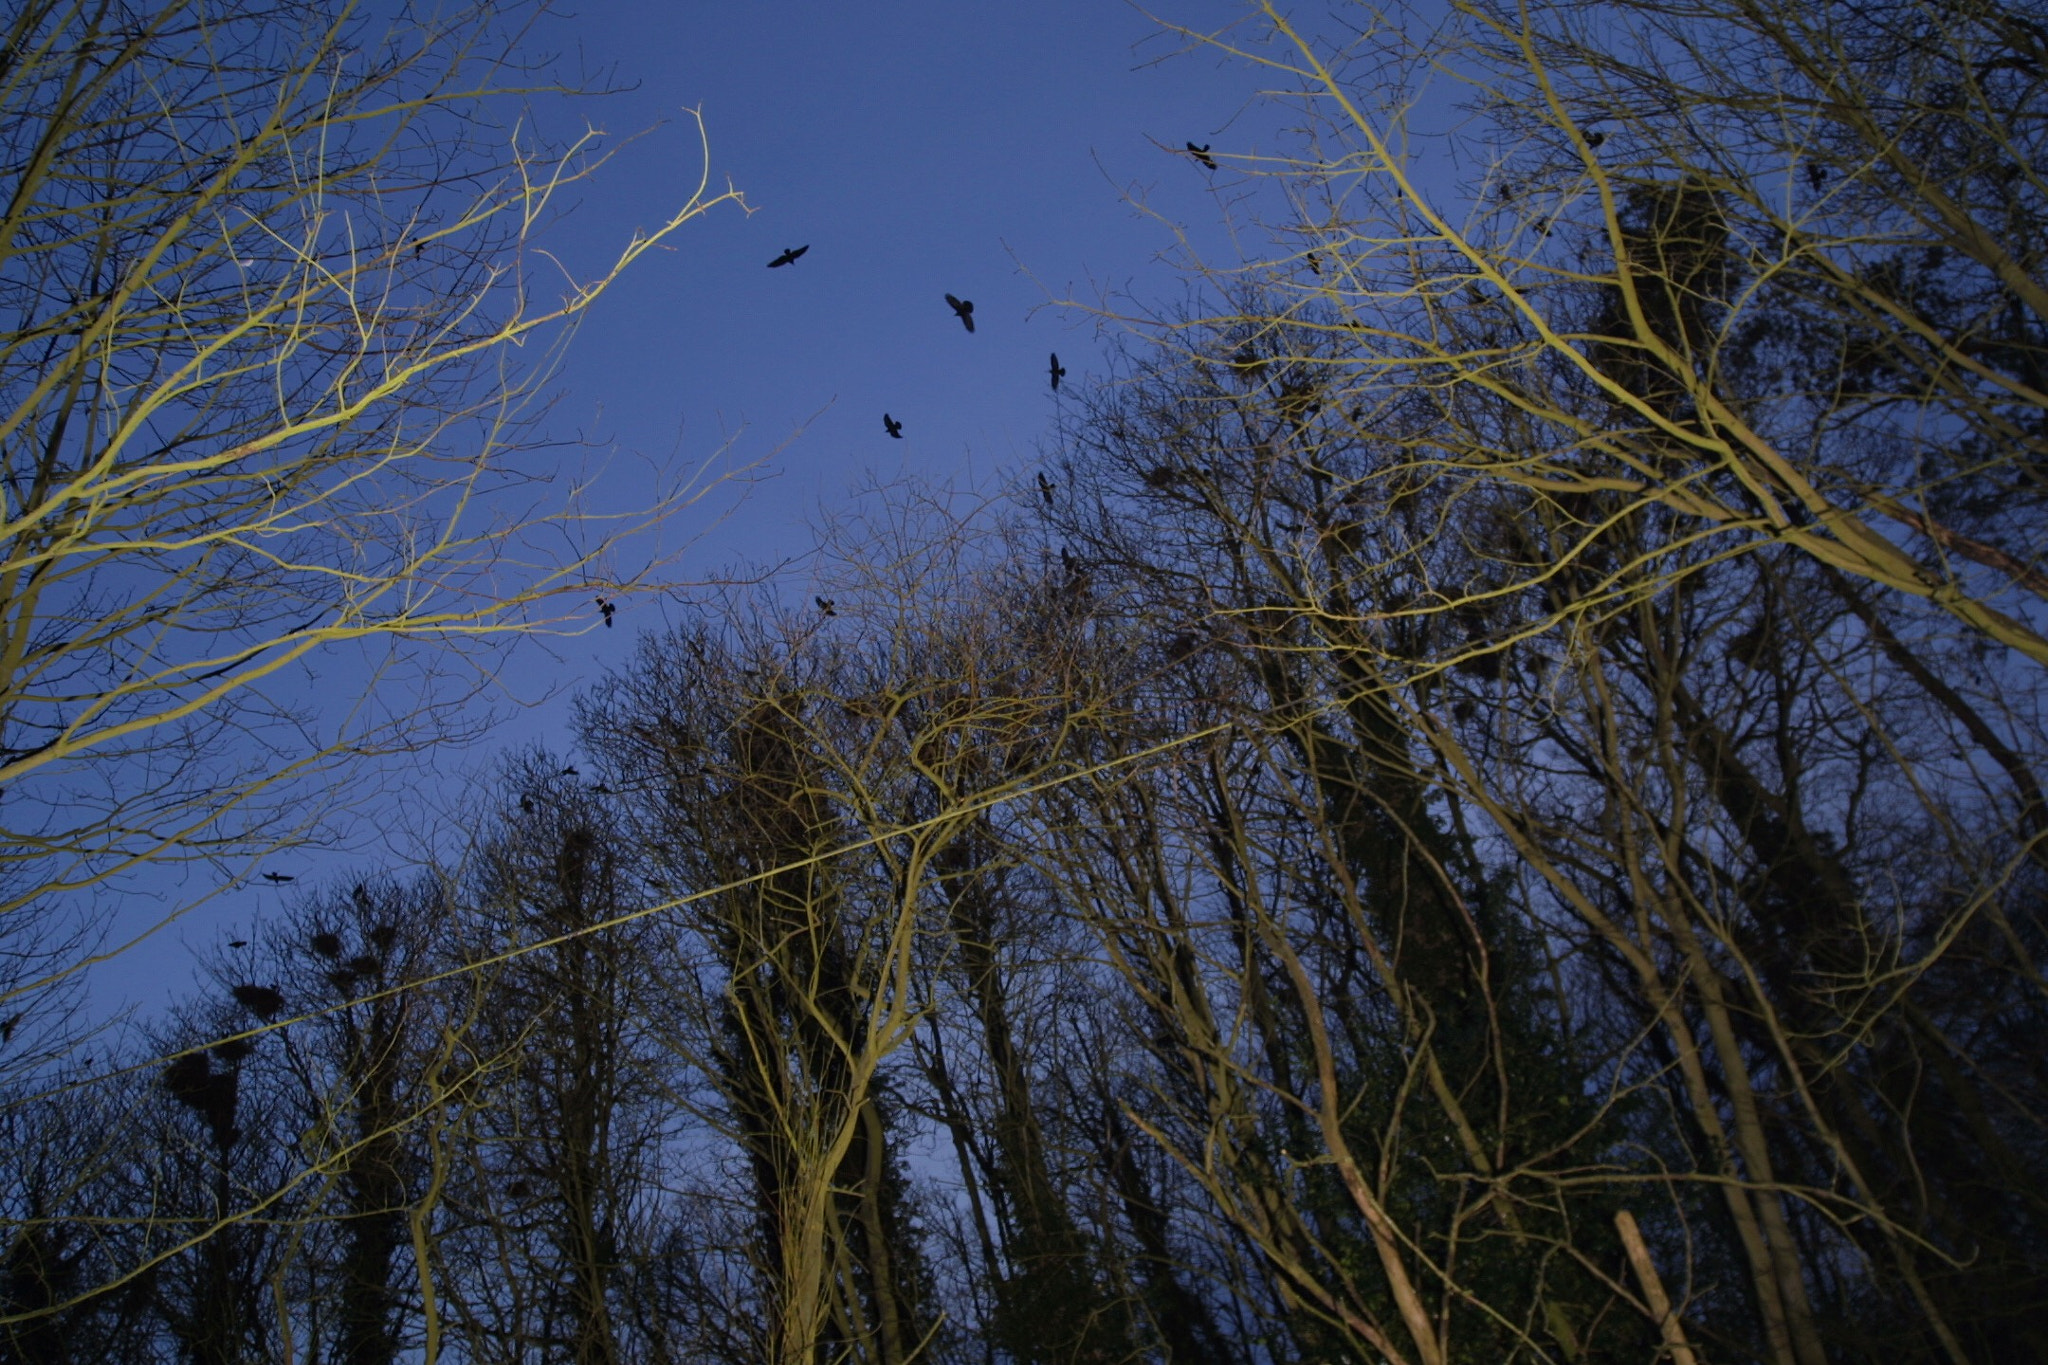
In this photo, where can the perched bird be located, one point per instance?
(1058, 372)
(1816, 175)
(825, 605)
(892, 426)
(963, 309)
(1595, 139)
(1201, 154)
(10, 1024)
(788, 256)
(569, 771)
(1045, 487)
(608, 608)
(526, 805)
(278, 878)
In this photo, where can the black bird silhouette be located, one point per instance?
(238, 943)
(892, 426)
(1315, 266)
(1595, 139)
(1816, 175)
(279, 878)
(609, 608)
(1068, 562)
(963, 309)
(1201, 154)
(11, 1023)
(789, 255)
(526, 805)
(1058, 373)
(825, 605)
(1045, 487)
(569, 771)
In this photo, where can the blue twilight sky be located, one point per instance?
(918, 147)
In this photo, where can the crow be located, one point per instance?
(608, 607)
(569, 771)
(1595, 139)
(825, 605)
(11, 1023)
(1069, 563)
(1045, 487)
(238, 943)
(526, 805)
(1201, 154)
(1058, 373)
(892, 426)
(1816, 175)
(278, 878)
(788, 256)
(1315, 266)
(963, 309)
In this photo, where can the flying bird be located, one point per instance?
(1058, 372)
(569, 771)
(825, 604)
(278, 878)
(963, 309)
(1045, 487)
(892, 426)
(1201, 154)
(789, 255)
(238, 943)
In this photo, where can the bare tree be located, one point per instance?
(270, 273)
